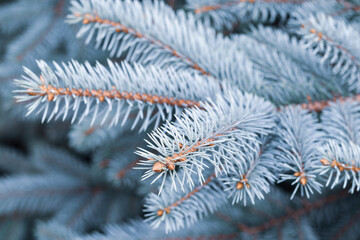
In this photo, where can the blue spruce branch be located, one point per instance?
(217, 135)
(113, 92)
(296, 150)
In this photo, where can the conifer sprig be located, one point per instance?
(112, 93)
(219, 135)
(305, 76)
(340, 154)
(296, 149)
(341, 164)
(341, 122)
(142, 29)
(335, 41)
(253, 177)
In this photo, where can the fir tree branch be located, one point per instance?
(341, 164)
(308, 70)
(164, 46)
(306, 75)
(75, 86)
(296, 149)
(208, 135)
(148, 39)
(334, 40)
(341, 121)
(221, 127)
(333, 8)
(181, 156)
(90, 18)
(253, 177)
(340, 155)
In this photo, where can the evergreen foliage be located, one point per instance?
(197, 119)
